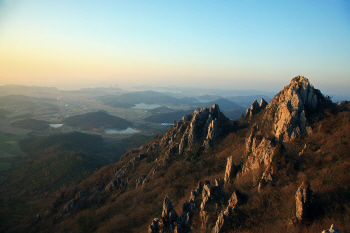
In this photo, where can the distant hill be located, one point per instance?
(32, 124)
(168, 117)
(129, 100)
(188, 100)
(93, 120)
(207, 98)
(3, 113)
(224, 104)
(235, 114)
(28, 103)
(160, 110)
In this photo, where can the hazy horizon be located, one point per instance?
(249, 44)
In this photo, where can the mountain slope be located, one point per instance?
(282, 169)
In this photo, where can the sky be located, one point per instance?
(227, 44)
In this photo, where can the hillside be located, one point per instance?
(32, 124)
(284, 167)
(98, 119)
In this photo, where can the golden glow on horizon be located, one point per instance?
(43, 65)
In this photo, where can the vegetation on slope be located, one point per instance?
(98, 119)
(32, 124)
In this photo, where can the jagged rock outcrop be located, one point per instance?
(332, 229)
(287, 110)
(224, 216)
(229, 169)
(212, 197)
(343, 103)
(169, 217)
(152, 148)
(261, 154)
(207, 123)
(302, 199)
(255, 107)
(284, 119)
(267, 177)
(79, 199)
(114, 184)
(263, 104)
(140, 181)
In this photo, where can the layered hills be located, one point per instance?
(282, 168)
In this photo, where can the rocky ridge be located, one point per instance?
(284, 119)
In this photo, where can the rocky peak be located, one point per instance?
(201, 127)
(287, 109)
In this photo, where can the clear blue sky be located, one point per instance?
(221, 44)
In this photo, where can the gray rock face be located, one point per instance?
(333, 229)
(287, 109)
(302, 201)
